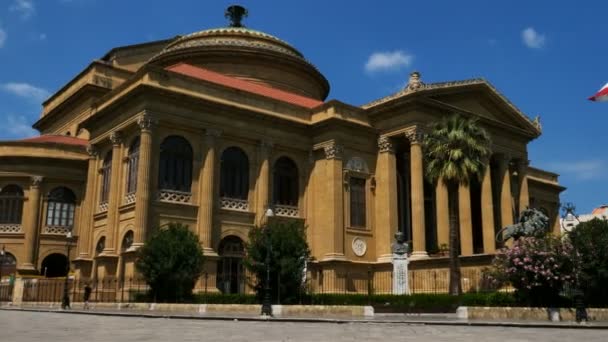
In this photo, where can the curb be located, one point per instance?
(322, 320)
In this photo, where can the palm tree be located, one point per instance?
(456, 150)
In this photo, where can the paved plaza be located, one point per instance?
(18, 326)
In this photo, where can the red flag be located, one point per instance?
(601, 95)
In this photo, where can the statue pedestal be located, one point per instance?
(400, 276)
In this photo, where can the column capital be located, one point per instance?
(211, 134)
(146, 122)
(385, 145)
(333, 151)
(92, 151)
(266, 145)
(36, 181)
(415, 135)
(116, 138)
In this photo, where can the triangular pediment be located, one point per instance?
(484, 101)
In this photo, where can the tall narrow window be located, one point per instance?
(285, 182)
(106, 175)
(132, 165)
(61, 208)
(357, 202)
(234, 176)
(175, 169)
(11, 204)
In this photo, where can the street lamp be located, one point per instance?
(266, 302)
(569, 218)
(65, 302)
(2, 254)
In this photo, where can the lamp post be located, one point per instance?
(2, 254)
(266, 302)
(65, 302)
(569, 221)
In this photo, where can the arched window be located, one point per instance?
(234, 175)
(285, 182)
(8, 264)
(132, 164)
(106, 175)
(175, 171)
(127, 241)
(61, 207)
(100, 246)
(11, 204)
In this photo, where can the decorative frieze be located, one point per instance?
(385, 145)
(173, 196)
(10, 228)
(103, 207)
(286, 210)
(333, 151)
(130, 198)
(56, 230)
(234, 204)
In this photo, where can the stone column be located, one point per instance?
(143, 192)
(506, 198)
(334, 201)
(487, 212)
(386, 199)
(113, 200)
(263, 185)
(522, 173)
(417, 195)
(464, 215)
(443, 214)
(206, 194)
(88, 208)
(32, 228)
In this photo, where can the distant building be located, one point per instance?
(211, 128)
(570, 222)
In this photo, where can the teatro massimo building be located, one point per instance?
(212, 128)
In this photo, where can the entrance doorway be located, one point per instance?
(230, 270)
(54, 265)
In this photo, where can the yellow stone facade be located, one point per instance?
(234, 87)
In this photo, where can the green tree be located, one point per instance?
(171, 262)
(590, 241)
(288, 254)
(456, 150)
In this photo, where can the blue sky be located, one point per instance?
(546, 56)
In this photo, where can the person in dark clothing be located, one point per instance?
(87, 295)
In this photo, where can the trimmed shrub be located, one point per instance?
(171, 262)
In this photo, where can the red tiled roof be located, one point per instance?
(232, 82)
(57, 139)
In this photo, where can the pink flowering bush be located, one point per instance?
(538, 268)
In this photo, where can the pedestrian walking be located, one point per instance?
(87, 295)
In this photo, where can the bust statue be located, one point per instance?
(400, 247)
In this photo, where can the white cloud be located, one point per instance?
(533, 39)
(388, 60)
(26, 90)
(17, 126)
(583, 169)
(3, 37)
(25, 8)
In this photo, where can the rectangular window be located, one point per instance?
(357, 202)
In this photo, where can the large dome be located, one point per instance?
(249, 55)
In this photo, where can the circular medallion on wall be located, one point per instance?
(359, 246)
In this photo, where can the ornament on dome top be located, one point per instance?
(235, 14)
